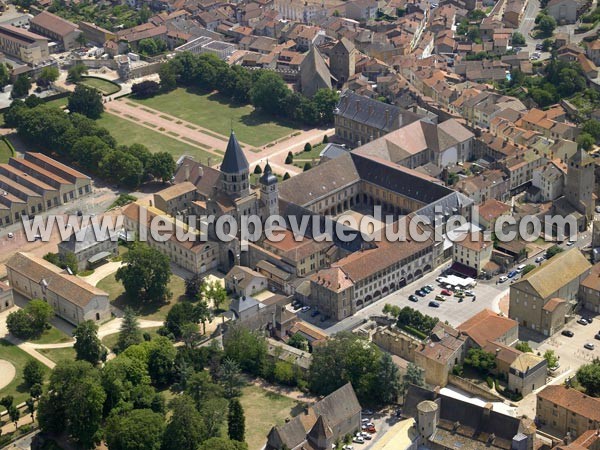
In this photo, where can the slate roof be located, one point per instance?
(205, 178)
(234, 160)
(314, 73)
(86, 238)
(267, 177)
(373, 113)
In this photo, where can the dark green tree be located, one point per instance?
(588, 376)
(230, 377)
(161, 361)
(388, 380)
(414, 375)
(554, 250)
(21, 87)
(88, 346)
(75, 73)
(524, 347)
(185, 428)
(139, 429)
(162, 166)
(298, 341)
(236, 422)
(146, 274)
(33, 373)
(193, 286)
(48, 75)
(518, 38)
(168, 78)
(247, 348)
(130, 332)
(87, 101)
(270, 93)
(480, 360)
(4, 76)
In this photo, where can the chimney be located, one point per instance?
(187, 172)
(387, 115)
(357, 105)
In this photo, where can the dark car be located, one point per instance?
(567, 333)
(539, 47)
(512, 273)
(413, 298)
(315, 313)
(597, 336)
(434, 304)
(421, 293)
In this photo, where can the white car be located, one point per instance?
(10, 235)
(502, 279)
(469, 294)
(358, 440)
(570, 243)
(365, 420)
(539, 259)
(305, 308)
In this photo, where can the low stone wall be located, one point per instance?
(473, 389)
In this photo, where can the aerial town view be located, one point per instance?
(300, 225)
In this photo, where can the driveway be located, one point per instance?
(102, 272)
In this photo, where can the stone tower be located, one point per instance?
(580, 183)
(428, 415)
(269, 194)
(235, 169)
(342, 60)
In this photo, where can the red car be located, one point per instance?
(371, 429)
(446, 292)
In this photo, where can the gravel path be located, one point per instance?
(7, 373)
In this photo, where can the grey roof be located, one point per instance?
(267, 177)
(85, 238)
(332, 151)
(243, 303)
(338, 406)
(314, 73)
(450, 204)
(344, 44)
(234, 160)
(373, 113)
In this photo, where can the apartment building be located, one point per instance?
(56, 28)
(473, 252)
(29, 47)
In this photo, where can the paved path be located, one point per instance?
(102, 272)
(7, 372)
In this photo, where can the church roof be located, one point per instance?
(314, 73)
(267, 177)
(234, 160)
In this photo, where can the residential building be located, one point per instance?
(543, 298)
(362, 9)
(488, 185)
(564, 11)
(72, 298)
(95, 34)
(90, 246)
(489, 211)
(243, 281)
(562, 410)
(489, 327)
(471, 251)
(589, 290)
(342, 60)
(321, 424)
(29, 47)
(62, 31)
(550, 180)
(527, 373)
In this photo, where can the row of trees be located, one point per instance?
(78, 139)
(264, 89)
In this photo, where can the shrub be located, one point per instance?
(490, 382)
(307, 147)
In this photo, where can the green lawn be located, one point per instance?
(127, 133)
(58, 354)
(263, 410)
(149, 311)
(52, 336)
(216, 113)
(314, 153)
(5, 151)
(104, 86)
(60, 102)
(111, 340)
(18, 358)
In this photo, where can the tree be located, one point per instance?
(257, 169)
(202, 314)
(33, 373)
(122, 168)
(547, 44)
(151, 47)
(139, 429)
(392, 310)
(185, 428)
(30, 321)
(230, 377)
(87, 344)
(480, 360)
(146, 274)
(307, 147)
(324, 102)
(270, 93)
(36, 390)
(247, 348)
(236, 426)
(215, 292)
(168, 78)
(30, 404)
(545, 24)
(161, 361)
(289, 159)
(388, 380)
(7, 401)
(414, 375)
(75, 73)
(130, 332)
(551, 358)
(524, 347)
(325, 139)
(87, 101)
(162, 166)
(298, 341)
(21, 87)
(48, 75)
(214, 414)
(218, 443)
(180, 315)
(592, 127)
(286, 176)
(4, 76)
(518, 39)
(552, 251)
(586, 141)
(145, 89)
(283, 373)
(15, 415)
(193, 286)
(588, 376)
(528, 268)
(307, 166)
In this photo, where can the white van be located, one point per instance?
(520, 268)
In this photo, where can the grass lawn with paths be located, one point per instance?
(58, 354)
(111, 340)
(148, 311)
(18, 358)
(5, 151)
(263, 410)
(52, 336)
(127, 133)
(104, 86)
(217, 113)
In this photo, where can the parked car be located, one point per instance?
(441, 298)
(358, 440)
(539, 47)
(371, 429)
(502, 279)
(582, 321)
(570, 243)
(469, 293)
(597, 336)
(367, 412)
(434, 304)
(459, 294)
(305, 308)
(426, 289)
(420, 293)
(413, 298)
(430, 287)
(589, 346)
(567, 333)
(539, 259)
(446, 292)
(512, 273)
(10, 235)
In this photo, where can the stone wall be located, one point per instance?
(473, 389)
